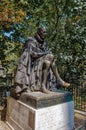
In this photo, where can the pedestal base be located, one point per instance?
(21, 116)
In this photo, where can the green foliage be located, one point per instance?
(10, 54)
(65, 21)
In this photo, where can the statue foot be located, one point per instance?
(27, 91)
(18, 95)
(66, 85)
(32, 88)
(44, 90)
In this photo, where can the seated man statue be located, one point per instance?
(36, 69)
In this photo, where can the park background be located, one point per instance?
(66, 37)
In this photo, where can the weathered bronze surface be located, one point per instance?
(36, 69)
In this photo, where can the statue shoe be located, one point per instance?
(17, 96)
(66, 85)
(32, 88)
(44, 90)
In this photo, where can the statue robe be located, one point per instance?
(29, 71)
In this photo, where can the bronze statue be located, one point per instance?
(36, 69)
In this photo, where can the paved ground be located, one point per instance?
(80, 122)
(3, 126)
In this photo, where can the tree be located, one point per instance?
(65, 21)
(11, 14)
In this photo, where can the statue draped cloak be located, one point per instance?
(30, 67)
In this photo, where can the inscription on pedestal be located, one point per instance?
(59, 117)
(31, 120)
(20, 115)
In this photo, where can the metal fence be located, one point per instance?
(78, 90)
(6, 83)
(79, 97)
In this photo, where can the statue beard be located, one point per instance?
(39, 38)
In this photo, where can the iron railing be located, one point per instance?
(6, 83)
(79, 97)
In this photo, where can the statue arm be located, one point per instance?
(36, 52)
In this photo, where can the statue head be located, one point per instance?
(42, 32)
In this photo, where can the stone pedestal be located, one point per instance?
(39, 111)
(1, 109)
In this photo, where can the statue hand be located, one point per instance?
(47, 52)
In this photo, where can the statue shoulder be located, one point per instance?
(31, 39)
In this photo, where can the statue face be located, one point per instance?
(42, 32)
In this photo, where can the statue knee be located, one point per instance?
(50, 57)
(47, 63)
